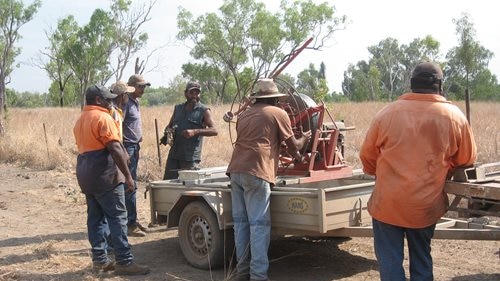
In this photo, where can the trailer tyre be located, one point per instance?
(200, 239)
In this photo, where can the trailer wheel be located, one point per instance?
(200, 239)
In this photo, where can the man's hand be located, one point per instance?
(189, 133)
(164, 139)
(129, 181)
(307, 135)
(304, 137)
(168, 136)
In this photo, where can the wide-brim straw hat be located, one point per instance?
(267, 89)
(120, 87)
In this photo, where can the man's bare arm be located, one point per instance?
(208, 131)
(121, 159)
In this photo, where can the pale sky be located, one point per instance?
(370, 22)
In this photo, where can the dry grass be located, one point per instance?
(28, 144)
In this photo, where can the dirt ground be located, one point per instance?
(43, 237)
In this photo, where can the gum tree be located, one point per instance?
(244, 35)
(469, 58)
(13, 15)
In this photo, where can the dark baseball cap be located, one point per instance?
(427, 69)
(193, 85)
(427, 77)
(99, 91)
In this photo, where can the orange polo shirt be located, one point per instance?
(94, 129)
(410, 146)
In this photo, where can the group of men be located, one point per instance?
(412, 146)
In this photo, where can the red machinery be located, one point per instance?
(323, 156)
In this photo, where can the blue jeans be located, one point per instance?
(131, 197)
(107, 212)
(389, 249)
(250, 198)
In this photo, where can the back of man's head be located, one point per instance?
(427, 77)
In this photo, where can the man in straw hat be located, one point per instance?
(260, 131)
(121, 89)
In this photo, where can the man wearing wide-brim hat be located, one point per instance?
(260, 131)
(122, 90)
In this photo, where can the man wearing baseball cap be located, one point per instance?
(132, 137)
(410, 147)
(189, 123)
(102, 171)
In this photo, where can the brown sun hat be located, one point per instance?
(267, 89)
(120, 87)
(138, 79)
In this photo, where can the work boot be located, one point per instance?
(131, 269)
(144, 229)
(135, 231)
(103, 267)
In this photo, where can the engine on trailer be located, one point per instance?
(323, 157)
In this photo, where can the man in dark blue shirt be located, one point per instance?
(132, 137)
(190, 122)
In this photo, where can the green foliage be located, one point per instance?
(244, 38)
(69, 96)
(386, 75)
(336, 98)
(162, 95)
(362, 82)
(26, 99)
(485, 87)
(467, 65)
(212, 80)
(311, 82)
(13, 15)
(82, 55)
(86, 50)
(56, 67)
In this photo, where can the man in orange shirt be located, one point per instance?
(101, 171)
(411, 146)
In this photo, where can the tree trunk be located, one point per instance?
(61, 94)
(467, 98)
(2, 105)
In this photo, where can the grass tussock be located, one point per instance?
(51, 255)
(42, 138)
